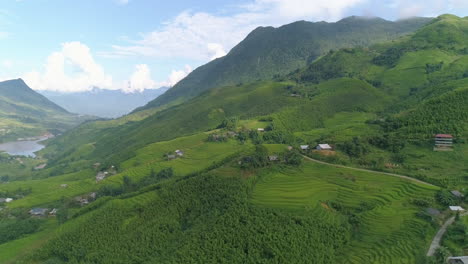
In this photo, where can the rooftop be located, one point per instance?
(324, 146)
(459, 260)
(443, 136)
(456, 208)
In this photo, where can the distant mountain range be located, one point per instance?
(103, 103)
(24, 112)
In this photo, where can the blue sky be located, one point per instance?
(136, 44)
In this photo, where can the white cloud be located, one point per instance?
(7, 63)
(176, 76)
(412, 8)
(203, 36)
(69, 70)
(217, 50)
(4, 35)
(140, 79)
(122, 2)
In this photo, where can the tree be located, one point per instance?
(442, 254)
(444, 197)
(293, 157)
(62, 214)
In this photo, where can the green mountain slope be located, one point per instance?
(226, 199)
(269, 51)
(348, 80)
(23, 112)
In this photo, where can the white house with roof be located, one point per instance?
(304, 147)
(456, 208)
(323, 147)
(458, 260)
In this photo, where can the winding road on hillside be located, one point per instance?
(435, 244)
(372, 171)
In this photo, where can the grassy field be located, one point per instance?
(388, 231)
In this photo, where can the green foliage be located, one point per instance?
(355, 148)
(444, 197)
(258, 159)
(269, 52)
(456, 237)
(205, 219)
(14, 229)
(293, 157)
(25, 113)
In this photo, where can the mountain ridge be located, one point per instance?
(262, 54)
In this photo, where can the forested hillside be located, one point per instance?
(267, 52)
(23, 112)
(233, 174)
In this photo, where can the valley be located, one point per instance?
(328, 157)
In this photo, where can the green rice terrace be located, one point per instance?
(358, 156)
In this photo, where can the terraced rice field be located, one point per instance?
(388, 230)
(198, 155)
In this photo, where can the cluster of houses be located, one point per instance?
(42, 212)
(456, 208)
(101, 175)
(83, 200)
(318, 147)
(178, 153)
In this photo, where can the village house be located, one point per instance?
(179, 153)
(432, 211)
(63, 185)
(443, 142)
(40, 167)
(273, 158)
(171, 157)
(457, 194)
(53, 212)
(323, 147)
(304, 147)
(82, 200)
(6, 200)
(232, 134)
(458, 260)
(38, 211)
(101, 175)
(456, 208)
(96, 165)
(260, 129)
(290, 148)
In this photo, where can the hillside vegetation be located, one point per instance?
(23, 112)
(268, 52)
(221, 177)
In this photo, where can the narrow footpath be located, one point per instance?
(365, 170)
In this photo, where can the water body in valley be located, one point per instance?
(22, 148)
